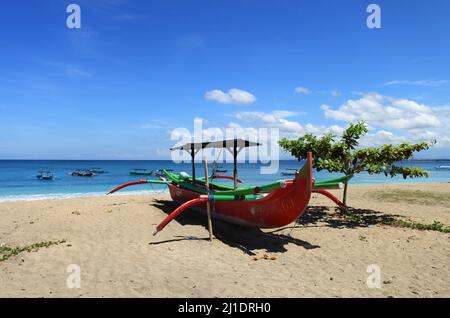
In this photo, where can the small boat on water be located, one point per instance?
(160, 172)
(97, 170)
(220, 170)
(83, 173)
(141, 172)
(45, 175)
(289, 172)
(443, 168)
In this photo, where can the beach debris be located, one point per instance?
(76, 213)
(264, 256)
(363, 238)
(115, 204)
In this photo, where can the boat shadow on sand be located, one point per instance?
(249, 240)
(252, 240)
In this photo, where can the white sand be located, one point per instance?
(110, 238)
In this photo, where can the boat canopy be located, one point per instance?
(232, 145)
(238, 143)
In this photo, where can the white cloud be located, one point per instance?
(385, 112)
(427, 82)
(381, 137)
(288, 128)
(390, 120)
(286, 113)
(335, 93)
(302, 90)
(234, 96)
(292, 130)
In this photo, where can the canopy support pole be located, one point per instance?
(235, 172)
(193, 163)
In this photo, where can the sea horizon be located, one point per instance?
(196, 160)
(18, 181)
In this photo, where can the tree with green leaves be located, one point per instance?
(346, 157)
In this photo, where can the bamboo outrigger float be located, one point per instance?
(268, 206)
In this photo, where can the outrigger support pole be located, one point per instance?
(208, 204)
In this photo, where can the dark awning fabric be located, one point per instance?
(240, 143)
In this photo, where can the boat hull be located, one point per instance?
(276, 209)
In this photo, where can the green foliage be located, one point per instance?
(344, 155)
(355, 217)
(435, 226)
(7, 252)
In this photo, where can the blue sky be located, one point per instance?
(136, 70)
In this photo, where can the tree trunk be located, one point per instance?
(345, 193)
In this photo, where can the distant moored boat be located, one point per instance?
(97, 170)
(220, 170)
(83, 173)
(141, 172)
(289, 172)
(45, 175)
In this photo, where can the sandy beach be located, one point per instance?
(326, 255)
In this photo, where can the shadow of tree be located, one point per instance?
(246, 239)
(323, 216)
(344, 218)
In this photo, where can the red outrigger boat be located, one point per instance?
(269, 206)
(269, 210)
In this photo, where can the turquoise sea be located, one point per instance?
(18, 177)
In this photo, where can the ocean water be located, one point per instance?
(18, 177)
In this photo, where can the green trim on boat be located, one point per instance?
(201, 181)
(158, 182)
(332, 183)
(226, 190)
(236, 198)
